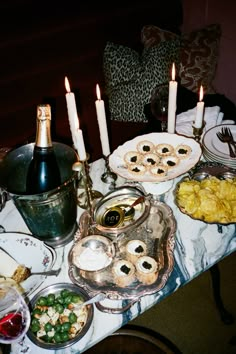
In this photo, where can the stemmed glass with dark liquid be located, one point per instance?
(14, 315)
(159, 104)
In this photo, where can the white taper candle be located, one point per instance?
(77, 134)
(102, 123)
(79, 145)
(200, 110)
(172, 102)
(72, 110)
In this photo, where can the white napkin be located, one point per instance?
(184, 121)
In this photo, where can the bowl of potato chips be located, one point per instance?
(208, 193)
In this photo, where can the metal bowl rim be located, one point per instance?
(55, 288)
(79, 242)
(197, 171)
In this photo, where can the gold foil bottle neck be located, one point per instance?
(44, 111)
(43, 130)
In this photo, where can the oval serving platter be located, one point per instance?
(118, 165)
(32, 253)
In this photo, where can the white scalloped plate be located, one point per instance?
(117, 163)
(31, 252)
(214, 146)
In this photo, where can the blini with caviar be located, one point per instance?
(146, 270)
(123, 272)
(135, 249)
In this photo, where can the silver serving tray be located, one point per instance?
(158, 232)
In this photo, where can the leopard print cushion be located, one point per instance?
(198, 54)
(130, 77)
(123, 68)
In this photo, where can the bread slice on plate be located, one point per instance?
(10, 268)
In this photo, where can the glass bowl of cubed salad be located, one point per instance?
(57, 318)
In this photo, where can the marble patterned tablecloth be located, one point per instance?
(198, 246)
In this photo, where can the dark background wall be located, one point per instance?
(203, 12)
(42, 42)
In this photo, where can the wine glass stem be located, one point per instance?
(163, 126)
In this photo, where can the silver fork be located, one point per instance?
(96, 298)
(228, 132)
(226, 139)
(47, 272)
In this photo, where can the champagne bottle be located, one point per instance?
(43, 173)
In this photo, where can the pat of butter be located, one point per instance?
(8, 265)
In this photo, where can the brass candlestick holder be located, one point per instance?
(197, 132)
(86, 195)
(108, 176)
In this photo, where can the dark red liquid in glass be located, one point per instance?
(162, 117)
(11, 325)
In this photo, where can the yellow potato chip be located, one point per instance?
(211, 200)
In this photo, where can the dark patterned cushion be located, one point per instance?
(153, 35)
(199, 57)
(130, 77)
(198, 54)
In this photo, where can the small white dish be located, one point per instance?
(158, 188)
(93, 253)
(32, 253)
(228, 121)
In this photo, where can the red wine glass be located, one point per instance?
(14, 315)
(159, 104)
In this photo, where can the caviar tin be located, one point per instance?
(112, 217)
(121, 210)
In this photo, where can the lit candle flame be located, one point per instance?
(98, 92)
(67, 85)
(173, 72)
(201, 94)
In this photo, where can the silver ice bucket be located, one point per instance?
(50, 216)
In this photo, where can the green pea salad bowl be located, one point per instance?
(58, 318)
